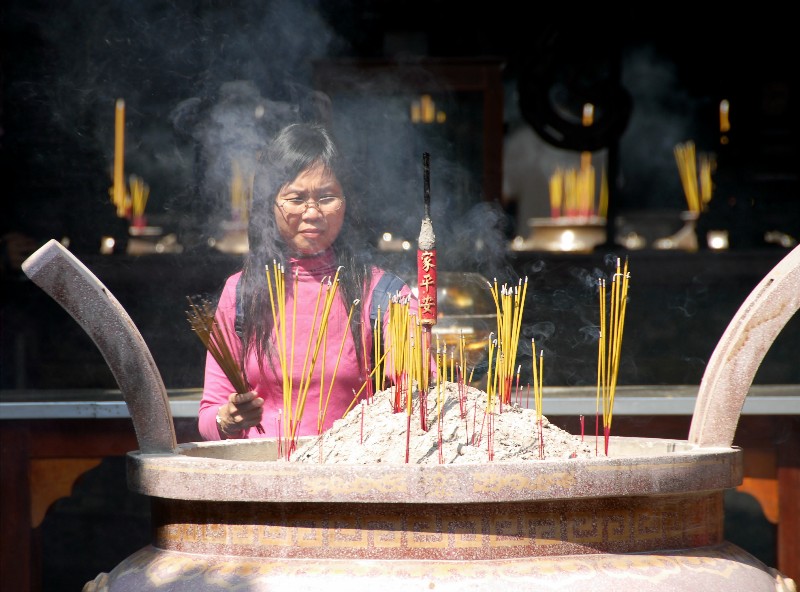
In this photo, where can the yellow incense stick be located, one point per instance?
(338, 359)
(602, 208)
(538, 380)
(556, 192)
(363, 386)
(321, 335)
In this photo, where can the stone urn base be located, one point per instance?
(226, 516)
(717, 567)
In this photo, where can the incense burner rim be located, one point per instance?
(234, 471)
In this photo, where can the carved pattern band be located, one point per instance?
(416, 531)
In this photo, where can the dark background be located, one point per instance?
(189, 70)
(64, 65)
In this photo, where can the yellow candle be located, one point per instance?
(724, 117)
(587, 118)
(428, 109)
(119, 158)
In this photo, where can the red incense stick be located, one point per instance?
(362, 421)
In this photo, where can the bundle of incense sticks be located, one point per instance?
(214, 337)
(572, 192)
(612, 323)
(509, 304)
(139, 193)
(296, 395)
(697, 186)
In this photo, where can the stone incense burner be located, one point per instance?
(228, 516)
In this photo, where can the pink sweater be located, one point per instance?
(268, 383)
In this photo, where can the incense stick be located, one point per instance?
(538, 381)
(338, 359)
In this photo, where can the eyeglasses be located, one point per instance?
(326, 204)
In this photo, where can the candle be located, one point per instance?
(587, 117)
(119, 158)
(724, 120)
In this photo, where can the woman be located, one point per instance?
(303, 218)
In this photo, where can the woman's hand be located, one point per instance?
(241, 412)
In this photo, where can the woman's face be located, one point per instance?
(310, 231)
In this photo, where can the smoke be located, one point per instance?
(373, 119)
(228, 134)
(161, 58)
(663, 116)
(205, 85)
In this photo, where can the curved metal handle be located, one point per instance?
(70, 283)
(740, 351)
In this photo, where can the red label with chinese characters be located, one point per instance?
(426, 281)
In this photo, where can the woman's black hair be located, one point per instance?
(294, 149)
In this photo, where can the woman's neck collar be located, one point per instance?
(300, 257)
